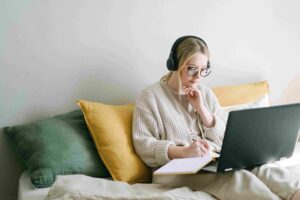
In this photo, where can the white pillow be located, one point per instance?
(262, 102)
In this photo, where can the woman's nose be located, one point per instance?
(197, 75)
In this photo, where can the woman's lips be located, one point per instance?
(193, 82)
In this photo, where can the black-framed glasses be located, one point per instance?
(193, 71)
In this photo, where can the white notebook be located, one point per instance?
(186, 165)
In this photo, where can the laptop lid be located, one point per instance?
(258, 136)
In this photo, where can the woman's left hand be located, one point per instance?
(194, 96)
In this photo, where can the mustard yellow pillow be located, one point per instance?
(110, 127)
(241, 94)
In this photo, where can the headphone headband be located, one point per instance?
(172, 62)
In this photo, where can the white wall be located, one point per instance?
(57, 51)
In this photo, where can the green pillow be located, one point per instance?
(56, 146)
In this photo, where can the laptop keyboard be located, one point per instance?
(211, 167)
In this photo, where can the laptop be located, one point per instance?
(257, 136)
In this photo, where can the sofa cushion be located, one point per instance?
(56, 146)
(110, 127)
(262, 102)
(241, 94)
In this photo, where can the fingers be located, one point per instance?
(200, 147)
(205, 143)
(189, 91)
(203, 149)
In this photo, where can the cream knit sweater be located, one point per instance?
(162, 117)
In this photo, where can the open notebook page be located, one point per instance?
(185, 165)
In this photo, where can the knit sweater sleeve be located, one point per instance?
(146, 133)
(215, 133)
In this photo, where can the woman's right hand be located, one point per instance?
(198, 148)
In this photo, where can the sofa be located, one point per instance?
(88, 153)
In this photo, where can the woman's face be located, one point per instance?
(190, 74)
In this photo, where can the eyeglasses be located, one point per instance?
(193, 71)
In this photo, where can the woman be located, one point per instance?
(178, 117)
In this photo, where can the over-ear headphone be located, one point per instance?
(172, 62)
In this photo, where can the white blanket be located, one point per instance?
(87, 188)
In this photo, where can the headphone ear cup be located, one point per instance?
(171, 64)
